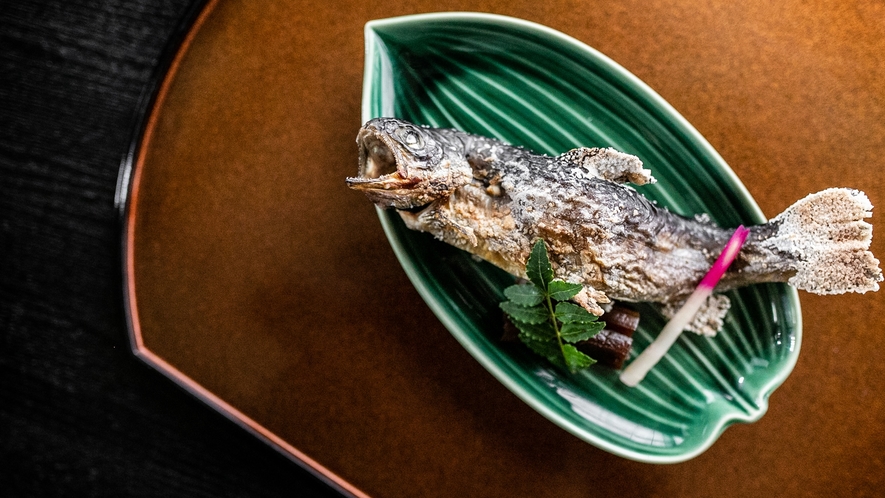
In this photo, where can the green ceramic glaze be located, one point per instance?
(532, 86)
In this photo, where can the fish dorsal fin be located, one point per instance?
(609, 164)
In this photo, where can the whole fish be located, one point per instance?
(494, 200)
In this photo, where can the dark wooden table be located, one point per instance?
(789, 93)
(79, 415)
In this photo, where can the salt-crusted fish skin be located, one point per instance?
(494, 200)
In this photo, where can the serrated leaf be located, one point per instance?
(538, 268)
(577, 331)
(547, 349)
(574, 359)
(569, 313)
(524, 295)
(538, 331)
(563, 291)
(533, 314)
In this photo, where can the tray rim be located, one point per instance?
(144, 121)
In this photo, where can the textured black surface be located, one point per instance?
(79, 414)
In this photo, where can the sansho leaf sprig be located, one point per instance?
(547, 323)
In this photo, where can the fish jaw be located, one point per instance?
(383, 172)
(406, 166)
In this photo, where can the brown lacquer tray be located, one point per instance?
(256, 280)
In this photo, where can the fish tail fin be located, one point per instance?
(830, 241)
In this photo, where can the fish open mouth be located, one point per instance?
(376, 157)
(382, 173)
(379, 165)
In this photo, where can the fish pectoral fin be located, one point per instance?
(609, 164)
(435, 216)
(590, 298)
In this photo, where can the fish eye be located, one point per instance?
(411, 138)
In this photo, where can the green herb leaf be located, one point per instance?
(534, 314)
(537, 331)
(547, 349)
(524, 295)
(577, 331)
(538, 267)
(568, 313)
(563, 291)
(574, 359)
(531, 308)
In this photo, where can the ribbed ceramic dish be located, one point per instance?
(533, 86)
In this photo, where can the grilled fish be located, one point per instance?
(494, 200)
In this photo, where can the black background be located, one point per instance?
(79, 414)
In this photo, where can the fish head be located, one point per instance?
(406, 166)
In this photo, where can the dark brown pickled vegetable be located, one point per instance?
(510, 332)
(622, 320)
(608, 347)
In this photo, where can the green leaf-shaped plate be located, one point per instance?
(532, 86)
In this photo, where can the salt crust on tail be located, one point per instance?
(826, 234)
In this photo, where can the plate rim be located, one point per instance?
(681, 123)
